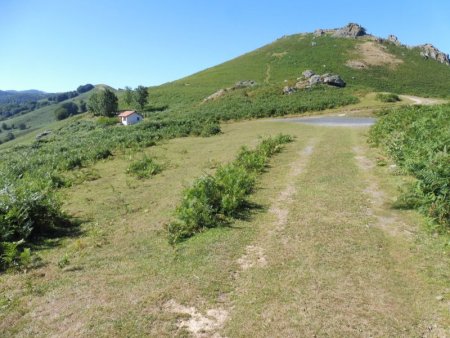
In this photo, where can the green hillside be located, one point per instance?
(40, 119)
(406, 72)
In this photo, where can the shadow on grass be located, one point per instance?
(248, 211)
(51, 236)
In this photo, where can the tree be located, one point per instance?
(5, 126)
(10, 136)
(141, 94)
(128, 96)
(61, 113)
(71, 107)
(83, 107)
(65, 110)
(104, 103)
(83, 89)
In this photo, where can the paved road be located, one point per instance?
(333, 121)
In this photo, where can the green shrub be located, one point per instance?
(234, 183)
(107, 121)
(27, 208)
(212, 199)
(144, 168)
(387, 97)
(418, 140)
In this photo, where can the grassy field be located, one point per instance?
(321, 252)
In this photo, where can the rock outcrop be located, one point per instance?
(308, 73)
(393, 39)
(223, 91)
(310, 79)
(244, 84)
(352, 30)
(287, 90)
(431, 52)
(333, 80)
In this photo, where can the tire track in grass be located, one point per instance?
(255, 254)
(389, 222)
(334, 276)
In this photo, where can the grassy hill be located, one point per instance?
(388, 67)
(40, 119)
(311, 242)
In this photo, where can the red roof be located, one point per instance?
(127, 113)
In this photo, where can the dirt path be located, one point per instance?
(421, 100)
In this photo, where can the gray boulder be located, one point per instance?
(308, 73)
(244, 84)
(428, 51)
(393, 39)
(319, 32)
(352, 30)
(333, 80)
(315, 80)
(287, 90)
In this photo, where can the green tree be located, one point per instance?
(65, 110)
(61, 113)
(128, 96)
(141, 94)
(94, 103)
(104, 103)
(5, 126)
(10, 136)
(83, 107)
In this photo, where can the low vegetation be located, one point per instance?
(213, 199)
(387, 97)
(417, 138)
(144, 168)
(31, 175)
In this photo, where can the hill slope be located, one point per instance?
(366, 63)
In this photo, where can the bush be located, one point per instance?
(387, 97)
(27, 208)
(107, 121)
(417, 138)
(212, 199)
(144, 168)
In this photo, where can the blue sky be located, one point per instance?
(57, 45)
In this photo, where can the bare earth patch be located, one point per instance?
(280, 207)
(279, 55)
(373, 54)
(197, 324)
(254, 256)
(421, 100)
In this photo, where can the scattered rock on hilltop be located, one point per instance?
(431, 52)
(393, 39)
(352, 30)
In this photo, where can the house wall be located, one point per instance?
(132, 119)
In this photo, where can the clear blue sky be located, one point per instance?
(56, 45)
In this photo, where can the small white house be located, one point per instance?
(130, 117)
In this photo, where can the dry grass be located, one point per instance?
(325, 271)
(373, 54)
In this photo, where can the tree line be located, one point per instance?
(106, 103)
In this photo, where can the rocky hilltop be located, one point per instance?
(354, 31)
